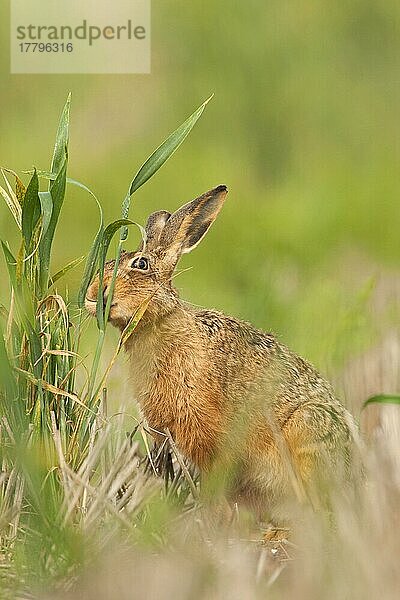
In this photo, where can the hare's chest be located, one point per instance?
(174, 391)
(155, 387)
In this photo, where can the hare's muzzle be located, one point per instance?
(90, 305)
(92, 296)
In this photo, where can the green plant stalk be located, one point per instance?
(145, 172)
(102, 315)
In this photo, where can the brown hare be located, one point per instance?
(231, 396)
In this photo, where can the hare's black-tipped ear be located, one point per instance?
(187, 226)
(154, 227)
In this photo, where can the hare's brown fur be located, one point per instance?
(229, 393)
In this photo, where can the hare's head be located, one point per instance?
(147, 273)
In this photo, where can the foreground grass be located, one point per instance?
(118, 530)
(61, 469)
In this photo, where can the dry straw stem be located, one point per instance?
(11, 199)
(182, 465)
(90, 496)
(42, 384)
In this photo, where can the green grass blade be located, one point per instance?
(101, 313)
(134, 322)
(90, 267)
(71, 265)
(111, 230)
(383, 399)
(62, 136)
(165, 150)
(31, 210)
(46, 205)
(26, 310)
(47, 210)
(7, 379)
(92, 258)
(159, 157)
(108, 234)
(23, 294)
(11, 265)
(57, 193)
(102, 242)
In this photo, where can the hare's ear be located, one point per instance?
(187, 226)
(154, 227)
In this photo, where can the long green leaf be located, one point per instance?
(90, 267)
(383, 399)
(134, 322)
(101, 244)
(46, 205)
(101, 312)
(57, 193)
(159, 157)
(62, 136)
(7, 379)
(92, 257)
(25, 307)
(11, 265)
(31, 210)
(108, 234)
(166, 149)
(12, 406)
(71, 265)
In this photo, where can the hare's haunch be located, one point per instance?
(229, 394)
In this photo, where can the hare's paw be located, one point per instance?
(275, 536)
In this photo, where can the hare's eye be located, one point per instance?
(140, 263)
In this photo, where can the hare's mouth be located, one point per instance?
(91, 305)
(94, 301)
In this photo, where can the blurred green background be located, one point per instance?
(303, 129)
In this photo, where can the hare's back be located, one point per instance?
(250, 361)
